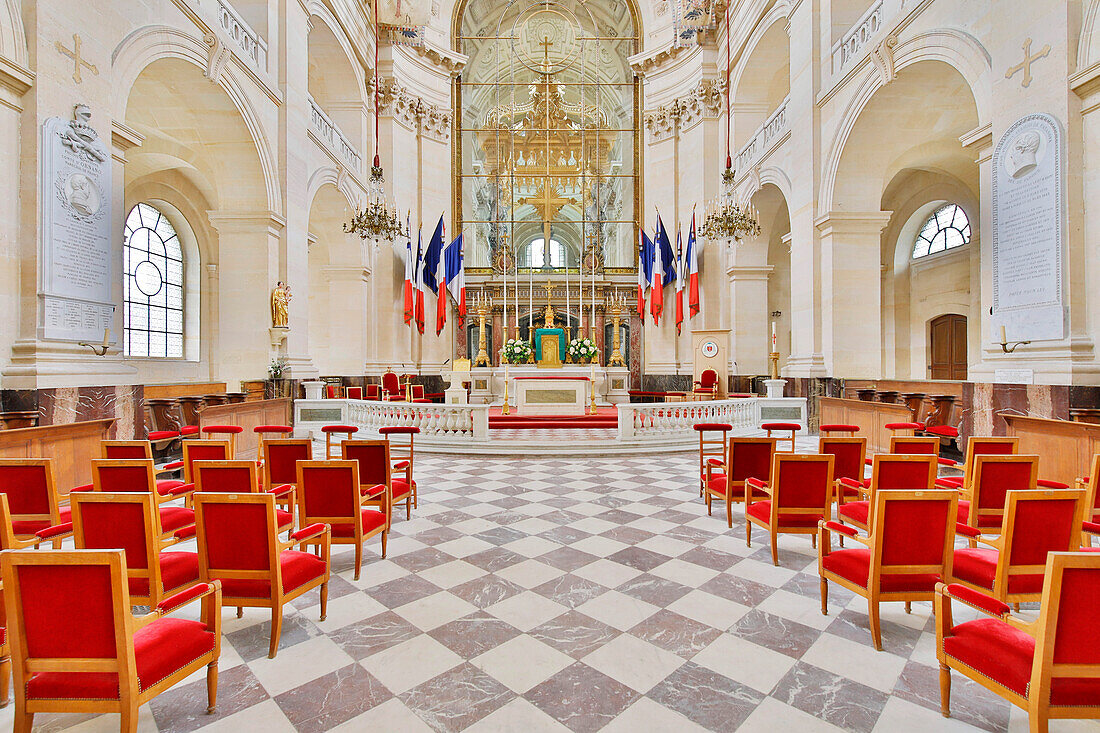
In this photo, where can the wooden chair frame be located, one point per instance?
(154, 544)
(1005, 569)
(1043, 630)
(822, 449)
(374, 497)
(1088, 485)
(273, 573)
(53, 518)
(899, 444)
(784, 438)
(199, 467)
(711, 449)
(8, 541)
(872, 489)
(773, 525)
(269, 484)
(873, 592)
(972, 492)
(125, 624)
(194, 445)
(358, 537)
(402, 457)
(147, 452)
(329, 444)
(735, 490)
(973, 445)
(150, 481)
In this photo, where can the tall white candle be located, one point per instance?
(1004, 338)
(775, 341)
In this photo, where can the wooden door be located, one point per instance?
(947, 347)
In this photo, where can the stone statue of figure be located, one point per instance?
(280, 302)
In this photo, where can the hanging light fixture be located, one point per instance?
(376, 221)
(724, 218)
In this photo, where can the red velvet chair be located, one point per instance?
(848, 461)
(402, 455)
(1036, 522)
(117, 662)
(1092, 496)
(127, 476)
(801, 495)
(268, 432)
(904, 428)
(746, 458)
(712, 450)
(907, 552)
(330, 494)
(791, 428)
(354, 393)
(203, 450)
(991, 478)
(374, 392)
(980, 447)
(280, 472)
(333, 391)
(376, 473)
(139, 449)
(828, 429)
(391, 387)
(706, 387)
(330, 430)
(891, 473)
(130, 522)
(239, 545)
(1049, 667)
(239, 477)
(230, 433)
(32, 495)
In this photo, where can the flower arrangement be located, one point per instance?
(276, 367)
(582, 350)
(517, 351)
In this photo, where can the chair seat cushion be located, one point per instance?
(855, 511)
(226, 429)
(942, 431)
(273, 429)
(838, 428)
(978, 566)
(23, 527)
(985, 521)
(371, 520)
(854, 565)
(400, 489)
(176, 569)
(717, 486)
(166, 485)
(722, 426)
(298, 568)
(160, 649)
(158, 435)
(951, 480)
(995, 650)
(781, 426)
(762, 510)
(175, 517)
(283, 518)
(904, 426)
(189, 430)
(339, 429)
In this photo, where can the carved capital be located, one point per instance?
(704, 101)
(412, 111)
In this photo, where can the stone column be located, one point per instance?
(748, 296)
(851, 293)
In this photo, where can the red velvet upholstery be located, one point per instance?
(978, 565)
(158, 435)
(719, 426)
(354, 393)
(838, 428)
(370, 519)
(978, 599)
(981, 447)
(762, 511)
(855, 511)
(708, 378)
(175, 517)
(26, 488)
(374, 391)
(399, 488)
(854, 565)
(398, 430)
(781, 426)
(273, 429)
(997, 479)
(189, 430)
(204, 450)
(298, 568)
(902, 476)
(227, 479)
(223, 429)
(176, 569)
(30, 526)
(904, 426)
(914, 532)
(391, 384)
(373, 468)
(349, 429)
(281, 461)
(942, 431)
(995, 650)
(847, 458)
(328, 492)
(123, 479)
(331, 391)
(123, 452)
(749, 460)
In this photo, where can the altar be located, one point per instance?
(551, 395)
(487, 383)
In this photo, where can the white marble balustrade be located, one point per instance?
(764, 138)
(436, 421)
(333, 137)
(253, 46)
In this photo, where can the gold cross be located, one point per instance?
(547, 200)
(546, 44)
(1025, 65)
(78, 61)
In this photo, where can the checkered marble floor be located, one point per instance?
(592, 594)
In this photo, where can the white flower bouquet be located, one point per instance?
(582, 351)
(517, 351)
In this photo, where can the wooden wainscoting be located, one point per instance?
(248, 415)
(72, 446)
(1065, 448)
(162, 391)
(871, 417)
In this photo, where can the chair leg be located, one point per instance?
(707, 498)
(775, 548)
(24, 721)
(748, 531)
(324, 601)
(1037, 721)
(211, 686)
(408, 507)
(5, 674)
(908, 606)
(729, 512)
(129, 712)
(358, 558)
(945, 690)
(276, 630)
(385, 536)
(813, 541)
(824, 597)
(240, 611)
(876, 631)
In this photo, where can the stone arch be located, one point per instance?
(330, 176)
(955, 49)
(336, 81)
(1088, 47)
(761, 78)
(13, 38)
(150, 44)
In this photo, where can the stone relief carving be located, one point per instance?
(882, 56)
(704, 101)
(216, 57)
(410, 110)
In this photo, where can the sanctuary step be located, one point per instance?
(605, 417)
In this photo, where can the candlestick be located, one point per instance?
(1004, 337)
(505, 410)
(593, 408)
(106, 337)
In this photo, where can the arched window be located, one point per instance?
(152, 286)
(945, 229)
(535, 254)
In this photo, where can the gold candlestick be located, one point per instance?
(505, 410)
(616, 359)
(481, 306)
(774, 356)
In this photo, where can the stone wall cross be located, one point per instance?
(1025, 65)
(78, 60)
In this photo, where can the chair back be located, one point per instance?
(29, 486)
(373, 457)
(802, 483)
(124, 449)
(225, 477)
(712, 447)
(848, 455)
(45, 591)
(7, 531)
(992, 479)
(329, 493)
(332, 391)
(913, 445)
(374, 391)
(914, 532)
(903, 472)
(127, 522)
(1067, 645)
(123, 476)
(708, 378)
(203, 450)
(988, 446)
(355, 393)
(750, 458)
(1037, 522)
(281, 456)
(391, 384)
(237, 537)
(417, 391)
(1092, 494)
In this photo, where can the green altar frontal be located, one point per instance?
(559, 332)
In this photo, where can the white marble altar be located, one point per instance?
(487, 383)
(551, 394)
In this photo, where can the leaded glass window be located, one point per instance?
(945, 229)
(152, 285)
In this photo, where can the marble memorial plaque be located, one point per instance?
(1028, 227)
(76, 253)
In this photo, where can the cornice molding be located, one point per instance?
(702, 102)
(411, 111)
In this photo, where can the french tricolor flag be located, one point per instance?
(691, 263)
(454, 275)
(645, 269)
(418, 284)
(679, 281)
(657, 291)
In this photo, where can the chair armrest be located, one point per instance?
(173, 466)
(400, 465)
(978, 600)
(967, 531)
(180, 490)
(282, 490)
(868, 461)
(316, 529)
(195, 592)
(186, 532)
(55, 532)
(850, 483)
(757, 484)
(838, 527)
(716, 462)
(83, 487)
(374, 490)
(945, 484)
(947, 462)
(1048, 484)
(1091, 527)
